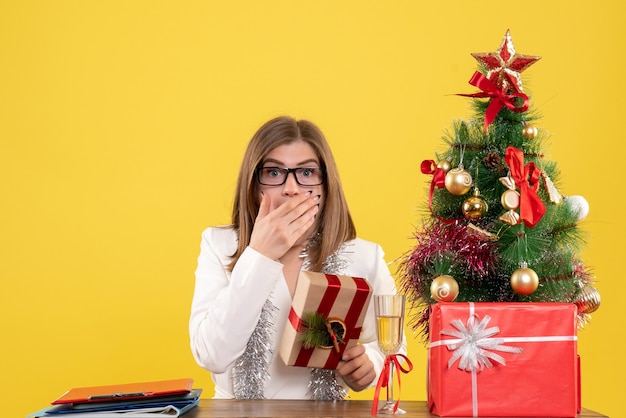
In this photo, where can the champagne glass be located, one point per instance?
(390, 318)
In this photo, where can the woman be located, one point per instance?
(289, 214)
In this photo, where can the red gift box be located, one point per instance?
(342, 297)
(503, 359)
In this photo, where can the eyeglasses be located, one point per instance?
(276, 176)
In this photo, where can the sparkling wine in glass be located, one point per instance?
(390, 318)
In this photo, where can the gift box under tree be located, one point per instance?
(325, 319)
(503, 359)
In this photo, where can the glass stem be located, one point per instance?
(390, 384)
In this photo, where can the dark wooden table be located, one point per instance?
(231, 408)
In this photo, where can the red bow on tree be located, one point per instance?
(526, 179)
(439, 181)
(499, 97)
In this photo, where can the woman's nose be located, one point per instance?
(291, 186)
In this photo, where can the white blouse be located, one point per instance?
(226, 307)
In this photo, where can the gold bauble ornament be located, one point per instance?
(475, 207)
(444, 288)
(588, 300)
(529, 131)
(524, 280)
(458, 181)
(444, 165)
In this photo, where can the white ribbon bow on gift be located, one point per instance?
(474, 345)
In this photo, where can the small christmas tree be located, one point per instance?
(497, 228)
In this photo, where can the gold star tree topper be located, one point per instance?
(505, 65)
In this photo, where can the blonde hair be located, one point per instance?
(335, 225)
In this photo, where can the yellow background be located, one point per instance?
(122, 126)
